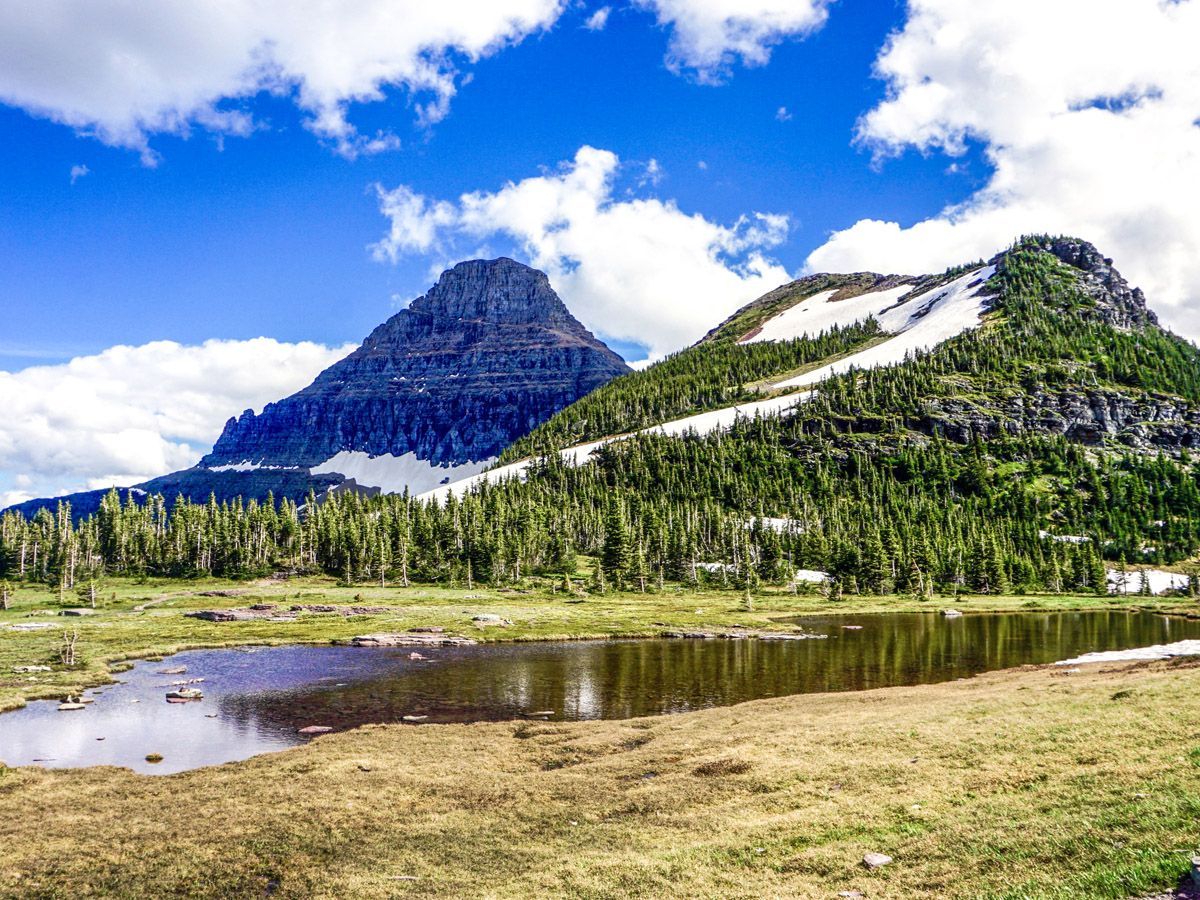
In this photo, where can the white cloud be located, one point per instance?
(709, 36)
(597, 20)
(131, 413)
(123, 70)
(782, 114)
(637, 269)
(78, 172)
(1087, 110)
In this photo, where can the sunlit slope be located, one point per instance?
(1044, 337)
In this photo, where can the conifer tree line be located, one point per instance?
(1029, 513)
(853, 483)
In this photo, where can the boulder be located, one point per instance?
(315, 729)
(876, 860)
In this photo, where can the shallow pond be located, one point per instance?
(257, 699)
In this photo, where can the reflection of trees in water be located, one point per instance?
(621, 679)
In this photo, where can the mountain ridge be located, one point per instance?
(437, 390)
(1018, 425)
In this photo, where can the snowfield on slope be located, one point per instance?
(917, 325)
(392, 474)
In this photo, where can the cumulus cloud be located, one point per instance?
(597, 20)
(709, 36)
(131, 413)
(1086, 109)
(637, 269)
(123, 70)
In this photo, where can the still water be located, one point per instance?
(257, 699)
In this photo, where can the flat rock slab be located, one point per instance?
(24, 670)
(408, 639)
(315, 729)
(489, 619)
(248, 614)
(876, 860)
(341, 610)
(31, 626)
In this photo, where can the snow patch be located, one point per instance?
(1130, 581)
(921, 324)
(244, 466)
(1064, 538)
(392, 474)
(1158, 651)
(810, 576)
(918, 325)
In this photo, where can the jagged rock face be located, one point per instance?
(1143, 422)
(483, 358)
(1117, 304)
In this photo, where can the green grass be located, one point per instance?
(1020, 784)
(1028, 783)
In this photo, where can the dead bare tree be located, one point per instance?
(66, 650)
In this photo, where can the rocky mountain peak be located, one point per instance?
(486, 355)
(1117, 303)
(498, 290)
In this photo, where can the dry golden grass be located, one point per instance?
(1030, 783)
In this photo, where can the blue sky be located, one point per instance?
(268, 235)
(177, 187)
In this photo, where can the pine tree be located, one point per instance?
(616, 554)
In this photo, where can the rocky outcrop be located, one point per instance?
(1117, 304)
(479, 361)
(1139, 421)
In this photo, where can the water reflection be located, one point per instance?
(257, 700)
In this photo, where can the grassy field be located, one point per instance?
(1032, 783)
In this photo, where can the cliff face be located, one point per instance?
(435, 392)
(483, 358)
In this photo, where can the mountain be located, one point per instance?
(1015, 424)
(1082, 356)
(433, 394)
